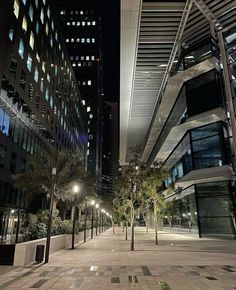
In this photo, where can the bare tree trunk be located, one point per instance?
(145, 220)
(113, 227)
(126, 231)
(132, 236)
(54, 206)
(156, 234)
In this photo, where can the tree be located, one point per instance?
(69, 169)
(137, 189)
(130, 190)
(154, 176)
(122, 212)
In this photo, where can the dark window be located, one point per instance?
(203, 93)
(2, 155)
(13, 162)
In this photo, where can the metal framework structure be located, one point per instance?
(162, 28)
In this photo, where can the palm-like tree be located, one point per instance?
(69, 169)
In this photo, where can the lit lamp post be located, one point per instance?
(54, 171)
(85, 219)
(92, 204)
(75, 190)
(102, 220)
(97, 207)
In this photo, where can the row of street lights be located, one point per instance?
(75, 190)
(99, 220)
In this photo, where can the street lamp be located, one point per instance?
(97, 207)
(92, 204)
(54, 171)
(75, 190)
(85, 219)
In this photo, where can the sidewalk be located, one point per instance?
(177, 263)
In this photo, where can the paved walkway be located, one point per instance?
(177, 263)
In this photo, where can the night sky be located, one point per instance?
(110, 20)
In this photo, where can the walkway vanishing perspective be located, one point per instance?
(178, 263)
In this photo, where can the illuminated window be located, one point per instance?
(83, 102)
(73, 23)
(42, 15)
(46, 95)
(91, 116)
(88, 109)
(43, 66)
(21, 48)
(46, 28)
(68, 23)
(48, 12)
(87, 57)
(62, 12)
(67, 40)
(41, 84)
(73, 64)
(52, 25)
(88, 23)
(37, 57)
(88, 40)
(72, 40)
(78, 23)
(16, 8)
(93, 40)
(31, 12)
(83, 23)
(79, 63)
(31, 41)
(94, 23)
(89, 82)
(36, 75)
(82, 57)
(37, 27)
(56, 36)
(51, 102)
(82, 40)
(11, 34)
(29, 63)
(24, 24)
(81, 12)
(92, 57)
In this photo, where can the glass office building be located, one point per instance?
(200, 163)
(40, 103)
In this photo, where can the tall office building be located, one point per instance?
(180, 91)
(40, 103)
(109, 148)
(80, 23)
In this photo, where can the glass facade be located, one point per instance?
(203, 93)
(203, 147)
(206, 209)
(216, 215)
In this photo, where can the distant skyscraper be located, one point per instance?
(80, 23)
(109, 147)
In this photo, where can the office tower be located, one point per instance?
(41, 107)
(80, 23)
(178, 104)
(109, 148)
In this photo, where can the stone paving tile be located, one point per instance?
(106, 263)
